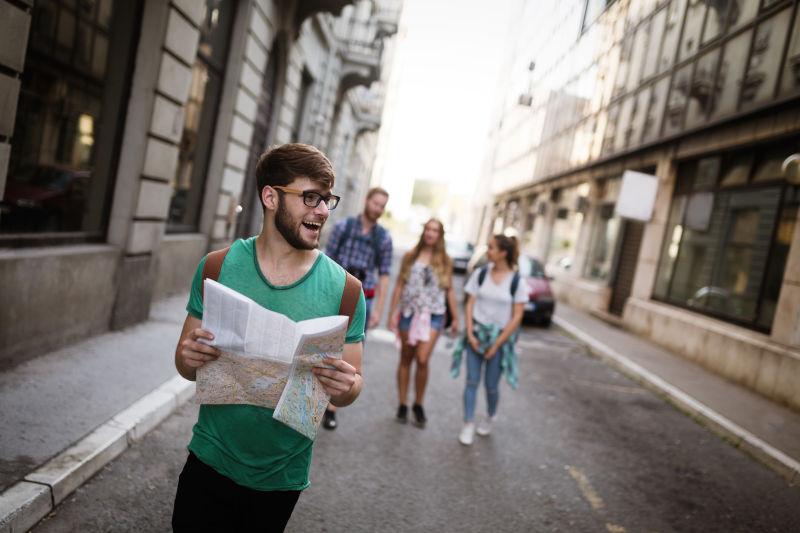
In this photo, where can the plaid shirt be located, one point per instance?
(358, 252)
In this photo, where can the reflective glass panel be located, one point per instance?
(678, 96)
(716, 18)
(742, 12)
(705, 89)
(655, 32)
(736, 169)
(672, 31)
(670, 246)
(638, 116)
(61, 163)
(731, 74)
(765, 59)
(603, 240)
(690, 42)
(790, 81)
(624, 130)
(655, 110)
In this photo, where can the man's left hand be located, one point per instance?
(339, 380)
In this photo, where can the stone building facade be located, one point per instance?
(129, 133)
(705, 96)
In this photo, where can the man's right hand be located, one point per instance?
(191, 354)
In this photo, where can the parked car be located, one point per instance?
(45, 198)
(460, 252)
(541, 302)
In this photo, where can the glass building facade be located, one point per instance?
(606, 78)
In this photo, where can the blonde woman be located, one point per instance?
(421, 294)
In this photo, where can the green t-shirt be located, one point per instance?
(244, 442)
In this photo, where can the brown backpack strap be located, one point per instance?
(350, 295)
(213, 264)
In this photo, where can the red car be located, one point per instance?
(541, 302)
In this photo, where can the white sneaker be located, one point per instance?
(467, 434)
(485, 427)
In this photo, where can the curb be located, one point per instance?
(736, 435)
(22, 505)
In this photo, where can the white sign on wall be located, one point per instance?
(637, 196)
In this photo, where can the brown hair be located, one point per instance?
(441, 263)
(509, 246)
(280, 165)
(377, 190)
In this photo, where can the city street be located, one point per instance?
(578, 447)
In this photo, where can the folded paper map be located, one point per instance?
(267, 358)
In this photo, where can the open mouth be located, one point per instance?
(312, 226)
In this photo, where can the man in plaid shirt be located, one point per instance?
(362, 247)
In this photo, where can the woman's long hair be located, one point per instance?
(441, 264)
(509, 246)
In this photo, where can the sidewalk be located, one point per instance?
(766, 430)
(68, 413)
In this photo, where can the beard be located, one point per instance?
(290, 230)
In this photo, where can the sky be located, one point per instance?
(442, 89)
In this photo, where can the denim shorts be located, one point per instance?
(437, 322)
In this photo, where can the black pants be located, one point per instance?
(208, 501)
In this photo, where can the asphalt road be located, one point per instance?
(578, 447)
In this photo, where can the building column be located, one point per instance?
(786, 325)
(169, 32)
(543, 230)
(583, 244)
(649, 253)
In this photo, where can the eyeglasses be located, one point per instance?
(311, 198)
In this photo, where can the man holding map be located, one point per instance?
(246, 467)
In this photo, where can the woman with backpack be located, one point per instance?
(422, 293)
(495, 302)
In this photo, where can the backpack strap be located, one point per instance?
(482, 274)
(348, 229)
(350, 295)
(514, 283)
(213, 265)
(377, 238)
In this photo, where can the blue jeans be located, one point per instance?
(475, 363)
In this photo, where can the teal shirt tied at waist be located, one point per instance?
(487, 334)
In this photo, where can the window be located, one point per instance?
(306, 84)
(790, 81)
(200, 117)
(69, 118)
(765, 59)
(592, 10)
(731, 74)
(705, 90)
(728, 236)
(566, 227)
(604, 238)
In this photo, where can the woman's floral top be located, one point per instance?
(422, 292)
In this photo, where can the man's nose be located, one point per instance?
(322, 208)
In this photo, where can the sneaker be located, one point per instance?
(329, 420)
(402, 414)
(467, 434)
(485, 427)
(419, 415)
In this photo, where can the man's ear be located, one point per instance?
(269, 197)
